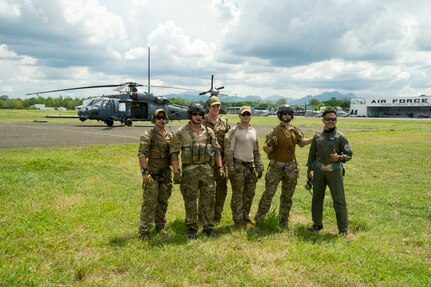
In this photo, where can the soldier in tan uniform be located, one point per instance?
(280, 146)
(245, 167)
(220, 127)
(157, 180)
(200, 151)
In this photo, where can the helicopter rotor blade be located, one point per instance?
(71, 89)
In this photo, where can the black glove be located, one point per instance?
(177, 177)
(259, 171)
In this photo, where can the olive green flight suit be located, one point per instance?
(328, 173)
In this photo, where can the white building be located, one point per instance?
(414, 107)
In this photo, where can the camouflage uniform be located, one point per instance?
(197, 184)
(282, 167)
(328, 173)
(220, 129)
(155, 147)
(242, 176)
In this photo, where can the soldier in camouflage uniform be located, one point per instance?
(280, 146)
(220, 127)
(243, 160)
(157, 180)
(199, 152)
(328, 151)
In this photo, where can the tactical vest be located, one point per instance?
(159, 149)
(198, 153)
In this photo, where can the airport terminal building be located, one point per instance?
(414, 107)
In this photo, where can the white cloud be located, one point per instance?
(290, 48)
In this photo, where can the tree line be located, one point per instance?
(18, 103)
(71, 103)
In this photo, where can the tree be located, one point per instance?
(281, 101)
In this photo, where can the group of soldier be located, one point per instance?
(210, 151)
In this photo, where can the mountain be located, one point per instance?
(192, 97)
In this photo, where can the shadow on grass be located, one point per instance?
(302, 233)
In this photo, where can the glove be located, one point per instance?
(259, 171)
(259, 174)
(147, 179)
(177, 177)
(221, 172)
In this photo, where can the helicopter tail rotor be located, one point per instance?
(213, 91)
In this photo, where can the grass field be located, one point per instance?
(69, 217)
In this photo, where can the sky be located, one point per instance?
(252, 47)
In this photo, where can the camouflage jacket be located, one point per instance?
(155, 147)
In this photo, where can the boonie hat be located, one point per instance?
(244, 109)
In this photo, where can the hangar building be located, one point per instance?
(414, 107)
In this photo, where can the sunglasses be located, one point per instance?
(330, 119)
(161, 117)
(246, 114)
(285, 113)
(197, 114)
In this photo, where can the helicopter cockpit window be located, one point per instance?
(158, 100)
(98, 102)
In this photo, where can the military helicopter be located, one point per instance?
(129, 105)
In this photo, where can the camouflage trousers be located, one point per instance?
(243, 180)
(287, 173)
(198, 190)
(220, 194)
(155, 203)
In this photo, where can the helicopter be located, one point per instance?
(129, 105)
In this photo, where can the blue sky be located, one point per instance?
(266, 48)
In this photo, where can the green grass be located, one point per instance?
(69, 217)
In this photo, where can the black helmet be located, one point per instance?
(195, 108)
(284, 109)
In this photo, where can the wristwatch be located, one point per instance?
(144, 170)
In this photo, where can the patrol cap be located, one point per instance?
(244, 109)
(156, 113)
(213, 100)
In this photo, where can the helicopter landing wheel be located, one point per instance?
(128, 122)
(109, 122)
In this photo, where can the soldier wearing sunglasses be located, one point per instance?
(154, 161)
(199, 151)
(245, 167)
(329, 150)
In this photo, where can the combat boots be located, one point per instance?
(192, 233)
(209, 232)
(144, 236)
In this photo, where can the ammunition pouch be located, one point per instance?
(197, 154)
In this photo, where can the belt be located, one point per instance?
(317, 165)
(192, 166)
(246, 163)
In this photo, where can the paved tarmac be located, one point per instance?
(50, 134)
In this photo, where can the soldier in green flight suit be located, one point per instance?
(220, 127)
(329, 150)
